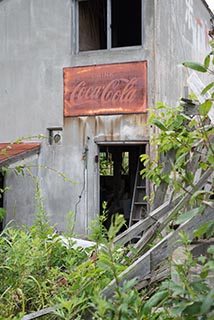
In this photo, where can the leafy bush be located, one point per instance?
(37, 268)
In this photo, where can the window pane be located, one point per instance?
(126, 23)
(92, 25)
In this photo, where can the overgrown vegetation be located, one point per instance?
(39, 268)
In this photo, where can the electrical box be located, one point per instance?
(55, 135)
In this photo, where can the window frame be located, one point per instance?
(109, 33)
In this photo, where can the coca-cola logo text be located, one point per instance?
(117, 91)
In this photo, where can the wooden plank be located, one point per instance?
(38, 314)
(144, 240)
(144, 224)
(155, 276)
(161, 191)
(149, 261)
(158, 227)
(172, 239)
(139, 269)
(187, 197)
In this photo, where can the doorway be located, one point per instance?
(118, 167)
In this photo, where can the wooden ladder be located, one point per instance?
(139, 204)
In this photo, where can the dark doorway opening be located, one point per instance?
(118, 168)
(1, 197)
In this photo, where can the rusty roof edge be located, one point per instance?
(20, 156)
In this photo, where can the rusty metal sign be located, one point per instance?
(105, 89)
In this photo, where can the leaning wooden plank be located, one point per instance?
(167, 161)
(38, 314)
(150, 234)
(154, 277)
(201, 182)
(164, 209)
(144, 224)
(144, 240)
(171, 241)
(159, 253)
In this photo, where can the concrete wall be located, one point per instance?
(21, 200)
(181, 34)
(36, 43)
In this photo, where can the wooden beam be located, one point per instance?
(144, 224)
(150, 234)
(149, 261)
(158, 213)
(161, 191)
(38, 314)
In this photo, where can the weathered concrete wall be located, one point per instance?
(181, 33)
(36, 43)
(21, 200)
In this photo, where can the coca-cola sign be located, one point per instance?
(105, 89)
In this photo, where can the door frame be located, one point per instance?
(114, 144)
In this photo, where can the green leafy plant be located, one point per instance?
(190, 139)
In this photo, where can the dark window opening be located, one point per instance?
(126, 23)
(92, 25)
(105, 24)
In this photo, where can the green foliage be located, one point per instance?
(187, 137)
(191, 297)
(2, 214)
(106, 164)
(191, 139)
(39, 268)
(189, 214)
(196, 66)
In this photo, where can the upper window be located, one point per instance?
(106, 24)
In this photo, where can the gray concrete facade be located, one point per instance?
(37, 41)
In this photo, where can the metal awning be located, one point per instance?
(13, 152)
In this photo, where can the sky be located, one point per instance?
(210, 4)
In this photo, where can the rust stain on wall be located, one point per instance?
(105, 89)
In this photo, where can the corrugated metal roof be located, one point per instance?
(13, 152)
